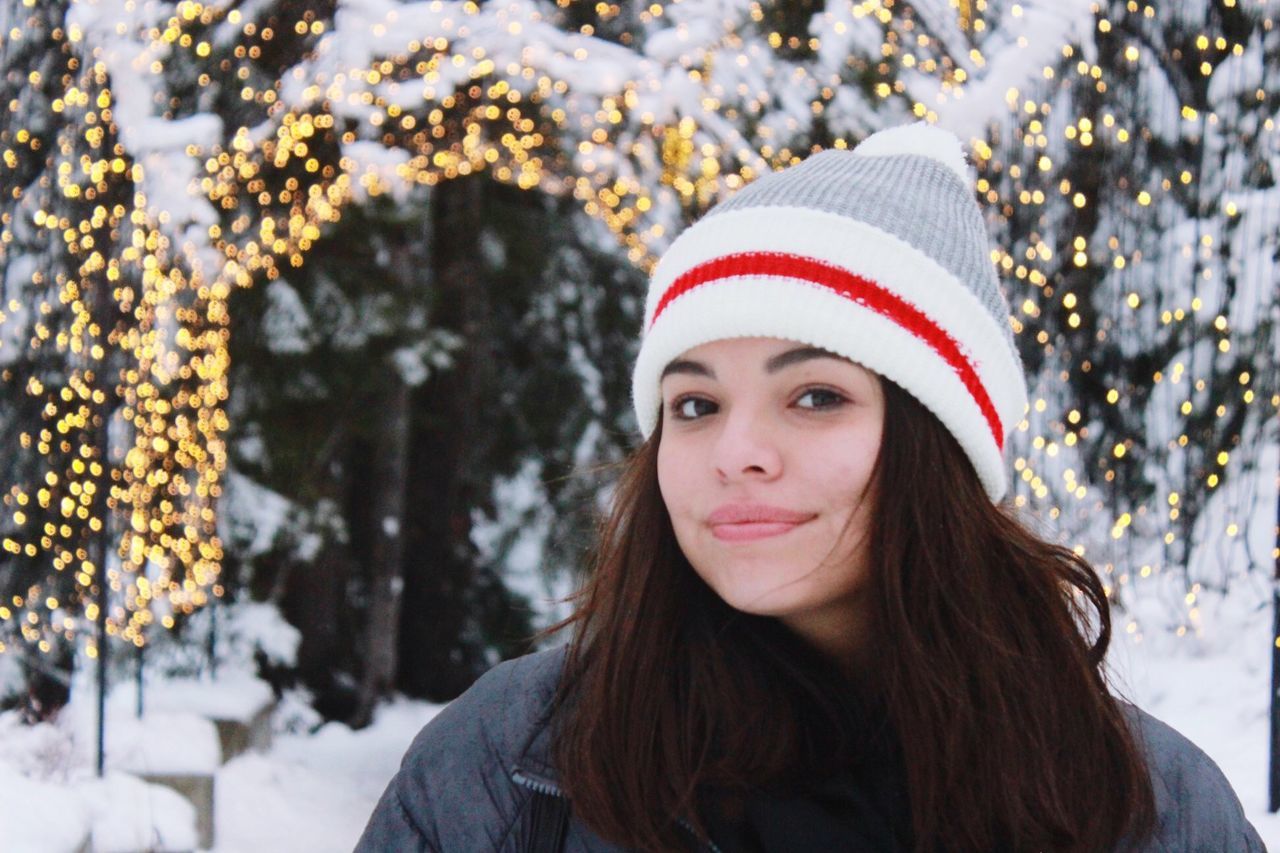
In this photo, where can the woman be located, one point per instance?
(810, 625)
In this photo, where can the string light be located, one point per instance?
(135, 322)
(1141, 294)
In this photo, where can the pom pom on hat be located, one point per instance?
(877, 254)
(919, 138)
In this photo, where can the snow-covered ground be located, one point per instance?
(313, 792)
(1214, 689)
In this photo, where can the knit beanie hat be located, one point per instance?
(879, 254)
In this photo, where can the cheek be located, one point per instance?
(677, 483)
(839, 475)
(671, 475)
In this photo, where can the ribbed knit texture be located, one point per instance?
(881, 257)
(912, 197)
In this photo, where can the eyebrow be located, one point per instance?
(773, 365)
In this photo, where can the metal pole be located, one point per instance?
(102, 595)
(102, 660)
(1274, 798)
(103, 592)
(213, 639)
(138, 657)
(1275, 668)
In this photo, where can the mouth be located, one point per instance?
(747, 531)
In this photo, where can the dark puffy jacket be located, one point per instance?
(467, 782)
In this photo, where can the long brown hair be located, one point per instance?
(985, 668)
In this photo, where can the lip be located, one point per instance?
(749, 513)
(741, 522)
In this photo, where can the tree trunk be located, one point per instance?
(438, 645)
(386, 556)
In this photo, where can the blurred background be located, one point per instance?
(318, 318)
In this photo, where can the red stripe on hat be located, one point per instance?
(853, 287)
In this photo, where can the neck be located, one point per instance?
(838, 632)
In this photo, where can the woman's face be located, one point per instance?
(765, 457)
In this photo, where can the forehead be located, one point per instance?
(767, 355)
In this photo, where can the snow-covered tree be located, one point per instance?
(64, 213)
(1134, 188)
(405, 242)
(644, 117)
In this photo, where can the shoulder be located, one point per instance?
(1196, 807)
(502, 708)
(454, 787)
(499, 712)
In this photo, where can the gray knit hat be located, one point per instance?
(879, 254)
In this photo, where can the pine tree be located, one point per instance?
(493, 288)
(1135, 196)
(400, 241)
(68, 193)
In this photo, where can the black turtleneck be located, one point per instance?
(849, 794)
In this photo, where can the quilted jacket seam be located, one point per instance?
(515, 821)
(413, 824)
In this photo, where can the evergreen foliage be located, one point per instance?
(429, 368)
(1139, 224)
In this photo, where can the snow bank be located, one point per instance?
(51, 801)
(315, 792)
(40, 817)
(233, 696)
(163, 742)
(1213, 689)
(129, 815)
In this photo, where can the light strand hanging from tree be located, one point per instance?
(645, 123)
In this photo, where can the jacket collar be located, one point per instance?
(533, 766)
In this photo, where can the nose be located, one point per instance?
(746, 447)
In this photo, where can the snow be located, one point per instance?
(251, 514)
(377, 166)
(411, 366)
(1028, 38)
(130, 815)
(589, 376)
(15, 315)
(39, 817)
(519, 533)
(1214, 691)
(1159, 108)
(1238, 75)
(919, 138)
(258, 627)
(115, 33)
(285, 324)
(314, 792)
(234, 696)
(687, 42)
(162, 742)
(50, 801)
(12, 678)
(168, 740)
(121, 813)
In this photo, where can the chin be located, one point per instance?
(759, 602)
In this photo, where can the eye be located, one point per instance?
(690, 408)
(821, 398)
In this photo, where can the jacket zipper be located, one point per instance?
(550, 790)
(537, 784)
(711, 845)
